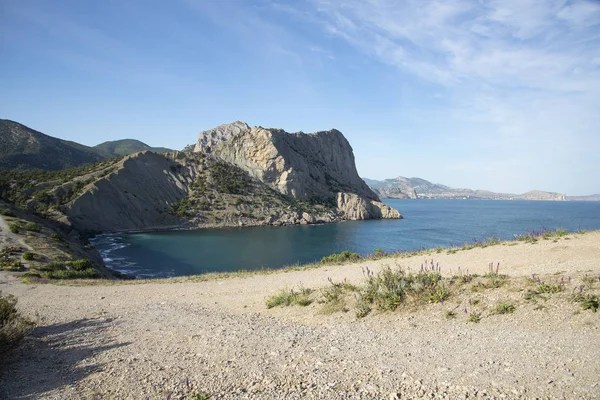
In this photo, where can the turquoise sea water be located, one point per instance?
(426, 224)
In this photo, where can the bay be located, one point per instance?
(426, 224)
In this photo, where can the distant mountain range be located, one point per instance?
(26, 148)
(417, 188)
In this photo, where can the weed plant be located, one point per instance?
(289, 298)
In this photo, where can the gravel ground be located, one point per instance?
(134, 341)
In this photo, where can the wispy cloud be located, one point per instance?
(525, 43)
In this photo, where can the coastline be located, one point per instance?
(145, 338)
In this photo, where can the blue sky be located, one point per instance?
(500, 95)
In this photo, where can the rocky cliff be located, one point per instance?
(317, 167)
(238, 176)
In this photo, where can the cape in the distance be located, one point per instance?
(417, 188)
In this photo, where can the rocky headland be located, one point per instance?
(235, 175)
(417, 188)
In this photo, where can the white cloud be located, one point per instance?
(522, 77)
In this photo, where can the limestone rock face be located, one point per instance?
(354, 207)
(207, 139)
(305, 166)
(237, 176)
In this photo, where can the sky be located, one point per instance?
(502, 95)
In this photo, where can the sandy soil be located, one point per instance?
(143, 340)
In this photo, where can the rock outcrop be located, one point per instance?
(305, 166)
(237, 176)
(353, 207)
(207, 139)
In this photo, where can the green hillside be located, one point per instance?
(25, 148)
(123, 147)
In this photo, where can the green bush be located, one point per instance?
(340, 258)
(81, 265)
(53, 266)
(28, 256)
(504, 308)
(12, 265)
(55, 236)
(14, 227)
(6, 212)
(88, 273)
(388, 289)
(289, 297)
(13, 327)
(33, 227)
(588, 301)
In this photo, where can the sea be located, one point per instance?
(426, 224)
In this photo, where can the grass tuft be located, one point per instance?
(340, 258)
(587, 301)
(504, 308)
(290, 297)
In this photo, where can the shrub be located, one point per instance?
(340, 258)
(363, 308)
(80, 265)
(474, 316)
(53, 266)
(14, 227)
(33, 227)
(289, 297)
(13, 327)
(588, 301)
(504, 308)
(55, 236)
(89, 273)
(28, 256)
(12, 265)
(6, 212)
(549, 288)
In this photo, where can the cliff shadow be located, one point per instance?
(52, 357)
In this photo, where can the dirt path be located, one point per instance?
(133, 341)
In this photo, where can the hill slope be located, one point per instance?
(25, 148)
(124, 147)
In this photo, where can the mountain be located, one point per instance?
(123, 147)
(413, 188)
(25, 148)
(591, 197)
(237, 176)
